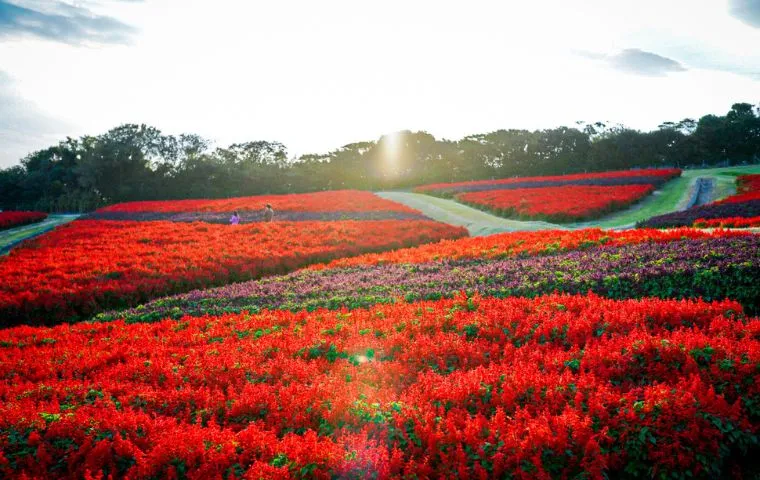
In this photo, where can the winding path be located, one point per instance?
(477, 222)
(675, 195)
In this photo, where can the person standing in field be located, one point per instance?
(235, 219)
(268, 213)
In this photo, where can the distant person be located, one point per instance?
(268, 213)
(235, 219)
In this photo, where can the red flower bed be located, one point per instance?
(739, 198)
(333, 201)
(737, 211)
(566, 203)
(88, 266)
(12, 219)
(747, 189)
(554, 387)
(731, 222)
(516, 244)
(748, 183)
(662, 173)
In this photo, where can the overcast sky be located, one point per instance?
(316, 75)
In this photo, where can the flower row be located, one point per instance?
(10, 219)
(747, 190)
(88, 266)
(558, 204)
(730, 222)
(615, 178)
(333, 201)
(520, 244)
(558, 386)
(712, 211)
(748, 183)
(256, 216)
(711, 268)
(745, 204)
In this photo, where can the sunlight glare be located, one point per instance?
(391, 151)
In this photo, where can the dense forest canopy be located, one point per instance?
(138, 162)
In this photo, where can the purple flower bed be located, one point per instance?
(711, 268)
(255, 216)
(746, 209)
(612, 181)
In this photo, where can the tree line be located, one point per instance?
(139, 162)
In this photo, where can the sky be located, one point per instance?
(319, 75)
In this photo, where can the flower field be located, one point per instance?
(334, 201)
(563, 198)
(554, 354)
(91, 265)
(321, 206)
(748, 184)
(520, 244)
(559, 204)
(739, 211)
(558, 386)
(730, 222)
(718, 266)
(652, 176)
(10, 219)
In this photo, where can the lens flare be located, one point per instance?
(391, 152)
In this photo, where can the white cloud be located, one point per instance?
(639, 62)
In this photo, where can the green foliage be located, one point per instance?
(138, 162)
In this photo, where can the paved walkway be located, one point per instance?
(477, 222)
(13, 236)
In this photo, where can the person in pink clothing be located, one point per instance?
(235, 219)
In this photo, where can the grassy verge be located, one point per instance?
(665, 200)
(673, 195)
